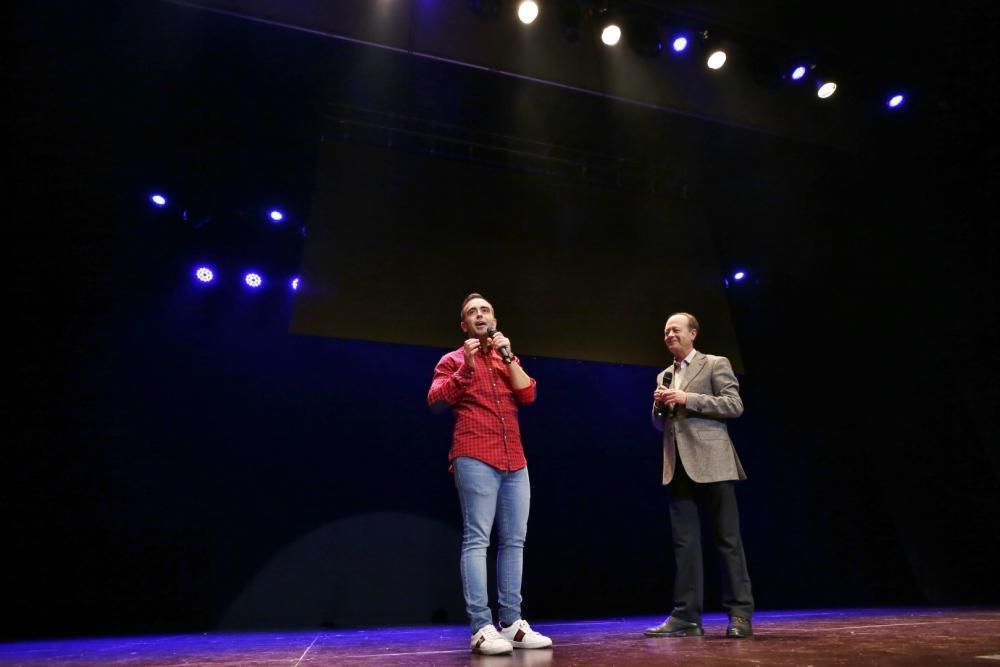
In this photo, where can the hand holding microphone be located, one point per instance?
(501, 343)
(658, 394)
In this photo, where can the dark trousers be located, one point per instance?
(717, 502)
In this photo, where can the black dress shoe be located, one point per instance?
(675, 627)
(739, 628)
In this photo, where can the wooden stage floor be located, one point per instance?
(911, 636)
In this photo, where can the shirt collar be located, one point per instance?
(686, 361)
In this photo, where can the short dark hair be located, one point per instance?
(692, 320)
(465, 302)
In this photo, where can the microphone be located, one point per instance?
(504, 351)
(667, 379)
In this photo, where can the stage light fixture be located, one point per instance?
(739, 275)
(798, 72)
(716, 59)
(204, 274)
(527, 11)
(826, 89)
(294, 284)
(276, 215)
(611, 34)
(158, 200)
(253, 280)
(679, 44)
(896, 101)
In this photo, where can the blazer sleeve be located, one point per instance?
(725, 401)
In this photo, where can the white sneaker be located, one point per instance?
(521, 635)
(489, 642)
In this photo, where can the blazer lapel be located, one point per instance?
(696, 367)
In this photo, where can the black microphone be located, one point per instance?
(504, 351)
(667, 379)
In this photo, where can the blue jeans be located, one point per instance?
(484, 493)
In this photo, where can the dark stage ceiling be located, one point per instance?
(929, 51)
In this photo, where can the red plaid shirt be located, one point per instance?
(485, 408)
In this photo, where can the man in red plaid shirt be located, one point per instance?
(484, 385)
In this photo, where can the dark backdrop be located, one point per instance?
(576, 270)
(178, 460)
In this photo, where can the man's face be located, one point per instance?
(478, 316)
(679, 336)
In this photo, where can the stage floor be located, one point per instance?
(816, 637)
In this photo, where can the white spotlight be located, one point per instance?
(611, 34)
(527, 11)
(717, 60)
(826, 90)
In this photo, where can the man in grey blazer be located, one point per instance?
(691, 403)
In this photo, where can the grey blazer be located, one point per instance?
(698, 429)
